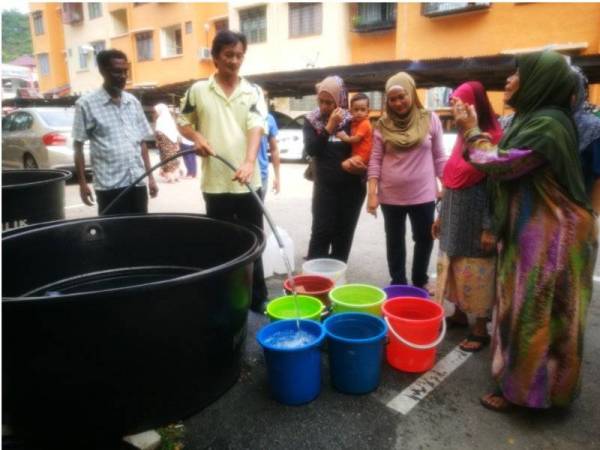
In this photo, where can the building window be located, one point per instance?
(221, 25)
(98, 46)
(144, 46)
(43, 64)
(188, 27)
(445, 9)
(305, 19)
(83, 58)
(95, 10)
(72, 13)
(118, 20)
(374, 16)
(38, 22)
(306, 103)
(253, 23)
(171, 43)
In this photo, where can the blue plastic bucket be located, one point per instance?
(403, 290)
(294, 372)
(356, 343)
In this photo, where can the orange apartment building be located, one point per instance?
(49, 46)
(442, 30)
(152, 34)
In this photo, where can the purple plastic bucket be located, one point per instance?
(402, 290)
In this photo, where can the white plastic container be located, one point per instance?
(331, 268)
(272, 260)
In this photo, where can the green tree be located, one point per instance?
(16, 36)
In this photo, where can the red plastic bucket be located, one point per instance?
(313, 285)
(414, 332)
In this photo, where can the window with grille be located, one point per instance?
(171, 41)
(370, 16)
(144, 46)
(38, 22)
(253, 24)
(43, 64)
(305, 19)
(95, 10)
(444, 9)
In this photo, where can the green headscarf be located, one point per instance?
(543, 124)
(408, 131)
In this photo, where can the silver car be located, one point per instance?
(39, 137)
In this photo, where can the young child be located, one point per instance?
(361, 133)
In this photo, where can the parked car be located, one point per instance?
(39, 137)
(290, 139)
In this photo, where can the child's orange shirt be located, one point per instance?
(362, 148)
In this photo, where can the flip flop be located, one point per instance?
(505, 405)
(483, 340)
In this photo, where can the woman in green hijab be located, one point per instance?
(547, 237)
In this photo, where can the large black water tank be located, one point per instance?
(115, 325)
(32, 196)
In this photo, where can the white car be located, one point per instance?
(290, 139)
(39, 137)
(449, 140)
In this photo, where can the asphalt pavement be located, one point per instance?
(448, 417)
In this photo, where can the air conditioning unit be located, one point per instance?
(204, 54)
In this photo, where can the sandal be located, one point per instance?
(496, 402)
(482, 340)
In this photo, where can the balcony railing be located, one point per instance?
(446, 9)
(374, 16)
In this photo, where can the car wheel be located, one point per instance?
(29, 162)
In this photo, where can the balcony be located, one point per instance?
(72, 13)
(368, 17)
(447, 9)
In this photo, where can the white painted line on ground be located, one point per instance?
(596, 279)
(78, 205)
(426, 383)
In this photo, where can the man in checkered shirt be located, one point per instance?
(114, 123)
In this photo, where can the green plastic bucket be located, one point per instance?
(285, 308)
(361, 298)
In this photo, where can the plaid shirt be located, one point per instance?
(115, 133)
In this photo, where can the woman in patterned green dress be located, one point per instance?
(547, 234)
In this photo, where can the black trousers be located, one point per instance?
(421, 219)
(335, 210)
(243, 208)
(135, 201)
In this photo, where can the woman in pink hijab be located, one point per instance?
(466, 268)
(337, 194)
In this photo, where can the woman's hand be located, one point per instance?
(335, 118)
(436, 228)
(488, 241)
(465, 116)
(372, 203)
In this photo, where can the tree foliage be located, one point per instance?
(16, 35)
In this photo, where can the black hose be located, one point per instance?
(220, 158)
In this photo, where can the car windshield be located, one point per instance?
(59, 118)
